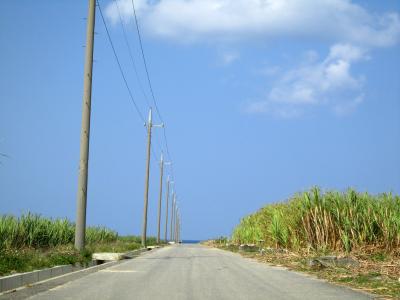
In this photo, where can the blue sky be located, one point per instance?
(261, 99)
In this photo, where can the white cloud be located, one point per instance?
(348, 107)
(332, 20)
(316, 83)
(229, 57)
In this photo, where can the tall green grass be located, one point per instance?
(35, 231)
(338, 221)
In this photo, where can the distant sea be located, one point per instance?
(191, 241)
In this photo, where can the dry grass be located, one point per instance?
(313, 224)
(377, 273)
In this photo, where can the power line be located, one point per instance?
(169, 155)
(149, 81)
(144, 61)
(119, 65)
(130, 53)
(3, 155)
(134, 65)
(136, 72)
(122, 73)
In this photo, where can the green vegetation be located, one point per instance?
(32, 230)
(29, 259)
(33, 242)
(330, 221)
(359, 226)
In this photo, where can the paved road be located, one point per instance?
(196, 272)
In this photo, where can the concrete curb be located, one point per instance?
(107, 256)
(12, 282)
(23, 292)
(9, 284)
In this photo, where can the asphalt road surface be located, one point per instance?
(197, 272)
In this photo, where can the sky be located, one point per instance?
(261, 99)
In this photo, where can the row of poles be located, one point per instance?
(175, 219)
(175, 215)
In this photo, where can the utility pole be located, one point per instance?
(146, 185)
(172, 218)
(160, 197)
(179, 229)
(176, 221)
(80, 227)
(176, 226)
(166, 210)
(177, 234)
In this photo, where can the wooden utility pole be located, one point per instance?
(160, 197)
(80, 227)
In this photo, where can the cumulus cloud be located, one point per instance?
(316, 83)
(327, 82)
(191, 20)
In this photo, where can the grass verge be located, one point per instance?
(31, 242)
(27, 259)
(376, 272)
(315, 223)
